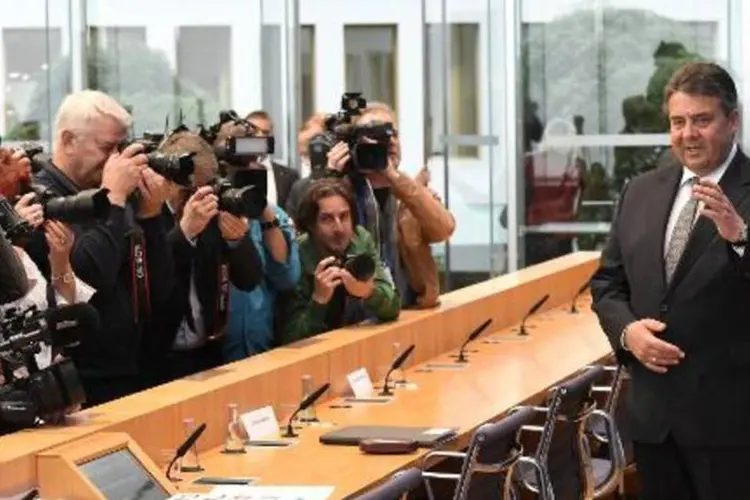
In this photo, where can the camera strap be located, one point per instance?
(222, 299)
(139, 275)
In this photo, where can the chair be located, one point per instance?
(611, 454)
(494, 451)
(396, 487)
(561, 463)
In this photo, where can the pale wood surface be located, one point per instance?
(154, 418)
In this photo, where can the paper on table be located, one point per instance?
(271, 492)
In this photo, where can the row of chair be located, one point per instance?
(580, 442)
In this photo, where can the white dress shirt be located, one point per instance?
(685, 193)
(272, 195)
(37, 296)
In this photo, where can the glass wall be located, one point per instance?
(591, 86)
(528, 114)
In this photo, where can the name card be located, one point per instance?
(261, 424)
(360, 383)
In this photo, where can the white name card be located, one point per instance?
(360, 383)
(261, 424)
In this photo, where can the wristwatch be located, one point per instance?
(265, 226)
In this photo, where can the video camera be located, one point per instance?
(51, 390)
(176, 168)
(239, 151)
(243, 194)
(368, 144)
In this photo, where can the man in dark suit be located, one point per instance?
(672, 294)
(210, 251)
(283, 178)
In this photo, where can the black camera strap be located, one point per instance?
(222, 299)
(139, 275)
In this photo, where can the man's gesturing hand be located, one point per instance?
(654, 353)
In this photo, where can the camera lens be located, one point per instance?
(88, 205)
(361, 267)
(177, 169)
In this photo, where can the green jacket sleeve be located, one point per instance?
(306, 318)
(385, 302)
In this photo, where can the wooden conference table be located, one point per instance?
(499, 376)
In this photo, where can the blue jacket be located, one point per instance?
(251, 314)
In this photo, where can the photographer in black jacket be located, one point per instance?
(210, 251)
(124, 258)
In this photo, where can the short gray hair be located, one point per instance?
(81, 108)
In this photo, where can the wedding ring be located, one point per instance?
(653, 360)
(63, 241)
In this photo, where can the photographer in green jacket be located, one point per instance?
(343, 280)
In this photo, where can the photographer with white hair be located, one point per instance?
(124, 258)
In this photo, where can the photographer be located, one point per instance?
(210, 252)
(280, 178)
(404, 216)
(123, 257)
(343, 281)
(253, 318)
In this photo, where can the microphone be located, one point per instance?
(584, 287)
(395, 366)
(533, 309)
(474, 334)
(304, 405)
(184, 447)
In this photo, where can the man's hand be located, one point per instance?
(202, 206)
(327, 278)
(122, 173)
(32, 213)
(338, 156)
(719, 209)
(20, 164)
(356, 288)
(654, 353)
(232, 228)
(154, 191)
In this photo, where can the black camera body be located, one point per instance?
(80, 208)
(16, 228)
(243, 194)
(360, 266)
(368, 144)
(43, 392)
(175, 168)
(36, 155)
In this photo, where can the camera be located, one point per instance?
(51, 390)
(16, 228)
(368, 144)
(175, 168)
(244, 194)
(36, 155)
(243, 150)
(82, 207)
(360, 266)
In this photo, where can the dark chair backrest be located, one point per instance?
(492, 453)
(563, 449)
(396, 487)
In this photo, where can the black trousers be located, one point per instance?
(670, 471)
(102, 390)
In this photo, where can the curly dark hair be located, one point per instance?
(309, 208)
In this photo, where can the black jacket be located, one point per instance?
(101, 257)
(285, 178)
(205, 257)
(705, 399)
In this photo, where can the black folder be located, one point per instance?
(424, 436)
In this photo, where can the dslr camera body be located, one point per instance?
(360, 266)
(175, 168)
(368, 144)
(43, 392)
(240, 196)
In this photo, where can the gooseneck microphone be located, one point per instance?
(395, 366)
(584, 287)
(184, 447)
(305, 404)
(461, 358)
(522, 331)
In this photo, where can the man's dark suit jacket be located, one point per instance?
(285, 178)
(705, 400)
(245, 272)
